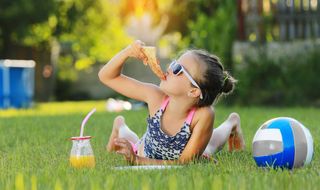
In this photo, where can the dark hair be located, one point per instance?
(216, 80)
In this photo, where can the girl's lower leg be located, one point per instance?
(236, 140)
(121, 130)
(229, 130)
(118, 121)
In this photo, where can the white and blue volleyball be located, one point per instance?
(282, 142)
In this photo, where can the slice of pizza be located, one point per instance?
(154, 64)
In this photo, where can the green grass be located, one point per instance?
(34, 152)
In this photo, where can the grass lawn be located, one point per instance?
(34, 152)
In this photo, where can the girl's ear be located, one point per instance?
(194, 93)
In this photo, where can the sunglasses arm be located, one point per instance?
(192, 81)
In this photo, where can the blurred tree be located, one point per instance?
(96, 35)
(76, 34)
(16, 17)
(90, 30)
(212, 26)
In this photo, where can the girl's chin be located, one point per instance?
(162, 83)
(163, 87)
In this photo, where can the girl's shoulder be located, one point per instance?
(203, 114)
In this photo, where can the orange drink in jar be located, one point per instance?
(81, 155)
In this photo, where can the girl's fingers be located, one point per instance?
(140, 57)
(121, 144)
(123, 140)
(140, 42)
(138, 51)
(123, 152)
(138, 45)
(125, 149)
(143, 55)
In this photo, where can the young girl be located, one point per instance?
(180, 121)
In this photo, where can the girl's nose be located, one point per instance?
(169, 70)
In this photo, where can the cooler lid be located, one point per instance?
(17, 63)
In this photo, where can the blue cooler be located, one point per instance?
(16, 83)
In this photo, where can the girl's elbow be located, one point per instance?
(100, 75)
(103, 77)
(183, 161)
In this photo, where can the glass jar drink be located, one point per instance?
(81, 155)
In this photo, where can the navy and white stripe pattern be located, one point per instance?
(159, 145)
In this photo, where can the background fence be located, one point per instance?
(279, 20)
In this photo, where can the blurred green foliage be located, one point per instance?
(97, 36)
(213, 27)
(17, 18)
(88, 31)
(289, 80)
(93, 31)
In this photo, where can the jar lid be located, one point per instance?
(80, 138)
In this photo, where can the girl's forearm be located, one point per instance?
(113, 68)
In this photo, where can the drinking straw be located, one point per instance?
(85, 121)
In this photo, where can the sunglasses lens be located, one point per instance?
(176, 68)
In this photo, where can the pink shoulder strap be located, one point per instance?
(190, 116)
(165, 103)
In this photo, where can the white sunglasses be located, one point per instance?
(178, 68)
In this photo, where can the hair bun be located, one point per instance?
(228, 83)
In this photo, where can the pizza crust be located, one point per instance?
(154, 64)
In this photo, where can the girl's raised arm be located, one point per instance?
(111, 76)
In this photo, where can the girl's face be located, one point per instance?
(180, 85)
